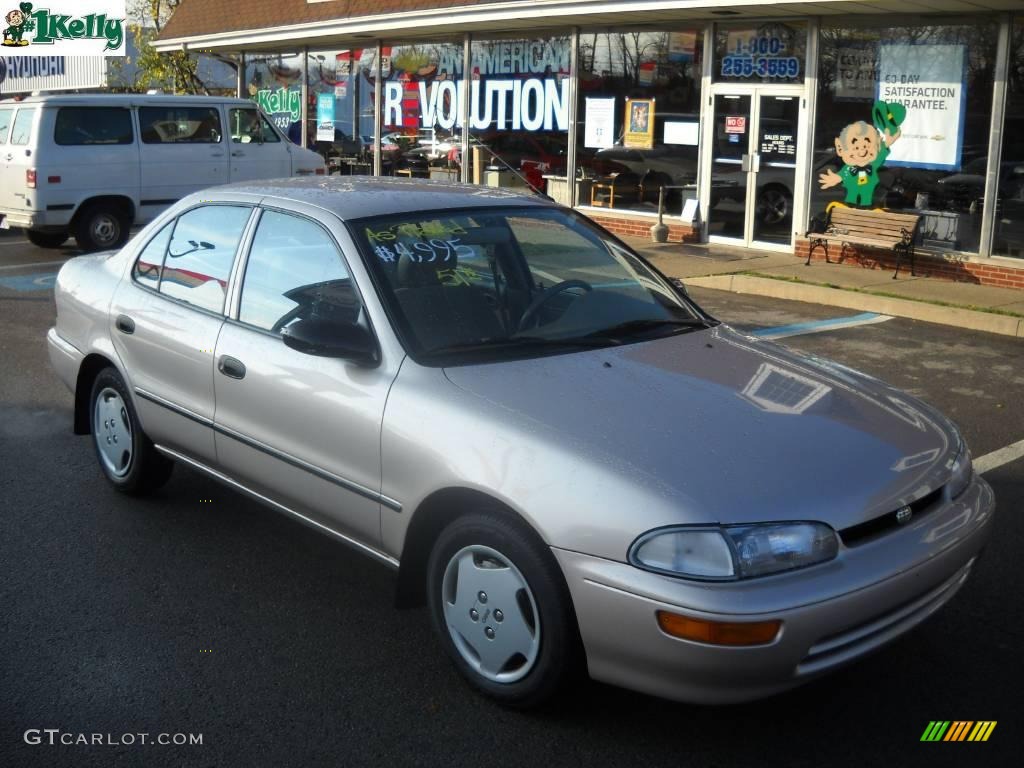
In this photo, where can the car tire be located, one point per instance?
(528, 615)
(774, 204)
(101, 227)
(47, 239)
(125, 454)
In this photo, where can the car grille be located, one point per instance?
(862, 532)
(855, 641)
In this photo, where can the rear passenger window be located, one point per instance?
(180, 125)
(87, 126)
(147, 267)
(295, 272)
(5, 124)
(200, 255)
(22, 131)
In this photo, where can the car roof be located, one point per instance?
(123, 99)
(357, 197)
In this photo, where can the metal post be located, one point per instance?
(804, 177)
(304, 95)
(995, 145)
(574, 78)
(378, 114)
(467, 85)
(707, 132)
(241, 75)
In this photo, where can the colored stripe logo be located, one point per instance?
(958, 730)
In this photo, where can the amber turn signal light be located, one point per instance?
(718, 632)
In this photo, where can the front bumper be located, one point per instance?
(831, 614)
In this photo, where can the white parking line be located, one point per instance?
(999, 458)
(33, 264)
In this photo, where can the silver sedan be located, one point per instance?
(574, 466)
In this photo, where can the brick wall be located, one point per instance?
(637, 226)
(943, 266)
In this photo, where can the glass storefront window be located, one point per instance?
(639, 118)
(340, 116)
(275, 83)
(902, 123)
(519, 112)
(1008, 237)
(422, 120)
(770, 52)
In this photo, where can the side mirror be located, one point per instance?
(324, 338)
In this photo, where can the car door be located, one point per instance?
(16, 156)
(183, 150)
(301, 429)
(257, 151)
(165, 319)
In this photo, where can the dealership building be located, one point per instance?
(743, 121)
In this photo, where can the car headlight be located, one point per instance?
(961, 472)
(732, 552)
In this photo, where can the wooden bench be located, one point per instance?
(872, 228)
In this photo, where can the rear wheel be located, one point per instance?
(501, 610)
(125, 454)
(47, 239)
(101, 226)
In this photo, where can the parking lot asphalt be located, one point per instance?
(200, 612)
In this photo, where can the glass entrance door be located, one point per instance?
(753, 169)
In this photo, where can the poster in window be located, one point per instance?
(928, 81)
(325, 117)
(639, 133)
(599, 123)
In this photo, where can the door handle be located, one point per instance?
(125, 324)
(238, 154)
(231, 367)
(217, 154)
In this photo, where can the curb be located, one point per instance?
(866, 302)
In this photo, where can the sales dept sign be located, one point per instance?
(63, 28)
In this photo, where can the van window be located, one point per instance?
(5, 124)
(81, 126)
(23, 127)
(200, 254)
(180, 125)
(248, 126)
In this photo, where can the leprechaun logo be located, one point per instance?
(19, 22)
(50, 27)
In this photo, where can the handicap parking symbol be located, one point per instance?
(38, 282)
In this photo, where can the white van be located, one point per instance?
(93, 165)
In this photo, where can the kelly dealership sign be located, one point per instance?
(63, 28)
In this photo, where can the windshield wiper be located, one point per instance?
(649, 323)
(524, 342)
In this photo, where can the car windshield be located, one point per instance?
(498, 283)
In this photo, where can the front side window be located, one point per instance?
(295, 272)
(23, 127)
(5, 124)
(200, 255)
(180, 125)
(83, 126)
(248, 126)
(147, 267)
(506, 282)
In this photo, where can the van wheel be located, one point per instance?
(100, 227)
(47, 239)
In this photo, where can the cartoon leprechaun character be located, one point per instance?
(19, 22)
(863, 148)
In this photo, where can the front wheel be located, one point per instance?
(126, 456)
(501, 610)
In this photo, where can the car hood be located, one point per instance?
(731, 428)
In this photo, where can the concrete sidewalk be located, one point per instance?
(784, 276)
